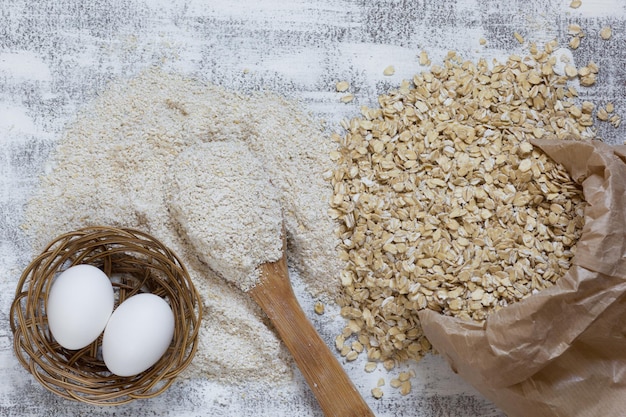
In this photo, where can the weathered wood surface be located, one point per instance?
(55, 55)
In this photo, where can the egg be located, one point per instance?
(79, 305)
(138, 333)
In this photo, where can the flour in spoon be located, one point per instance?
(228, 208)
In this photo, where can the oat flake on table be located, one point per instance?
(110, 168)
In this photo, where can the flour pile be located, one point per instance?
(111, 168)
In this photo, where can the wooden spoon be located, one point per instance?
(220, 183)
(332, 388)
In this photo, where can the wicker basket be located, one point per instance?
(140, 264)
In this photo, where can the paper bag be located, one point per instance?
(562, 351)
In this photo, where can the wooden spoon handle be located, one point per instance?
(334, 391)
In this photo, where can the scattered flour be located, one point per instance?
(110, 168)
(228, 208)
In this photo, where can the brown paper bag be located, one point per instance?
(562, 351)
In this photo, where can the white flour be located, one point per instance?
(110, 168)
(228, 208)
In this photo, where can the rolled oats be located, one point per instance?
(443, 203)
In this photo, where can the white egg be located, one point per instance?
(138, 333)
(79, 305)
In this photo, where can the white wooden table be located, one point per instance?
(55, 55)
